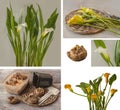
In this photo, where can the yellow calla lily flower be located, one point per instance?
(76, 19)
(106, 75)
(88, 89)
(68, 86)
(113, 91)
(94, 97)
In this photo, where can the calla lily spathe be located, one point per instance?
(19, 27)
(46, 31)
(103, 51)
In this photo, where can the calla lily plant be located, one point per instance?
(96, 92)
(30, 36)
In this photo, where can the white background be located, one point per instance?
(74, 76)
(96, 59)
(75, 72)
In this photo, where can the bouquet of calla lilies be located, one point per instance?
(102, 50)
(89, 17)
(97, 96)
(29, 36)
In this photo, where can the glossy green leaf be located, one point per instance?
(97, 81)
(99, 43)
(83, 86)
(117, 53)
(8, 24)
(112, 79)
(41, 19)
(52, 20)
(94, 86)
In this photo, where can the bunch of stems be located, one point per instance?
(29, 36)
(89, 17)
(98, 98)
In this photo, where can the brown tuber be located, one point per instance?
(77, 53)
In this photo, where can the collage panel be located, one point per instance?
(105, 53)
(91, 19)
(30, 89)
(31, 33)
(76, 53)
(90, 88)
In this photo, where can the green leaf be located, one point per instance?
(99, 43)
(95, 84)
(8, 24)
(52, 20)
(117, 53)
(9, 29)
(13, 22)
(32, 21)
(41, 19)
(97, 81)
(47, 42)
(112, 79)
(83, 86)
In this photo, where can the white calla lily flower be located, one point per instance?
(46, 31)
(103, 51)
(24, 24)
(19, 27)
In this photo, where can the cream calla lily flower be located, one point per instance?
(19, 27)
(103, 51)
(46, 31)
